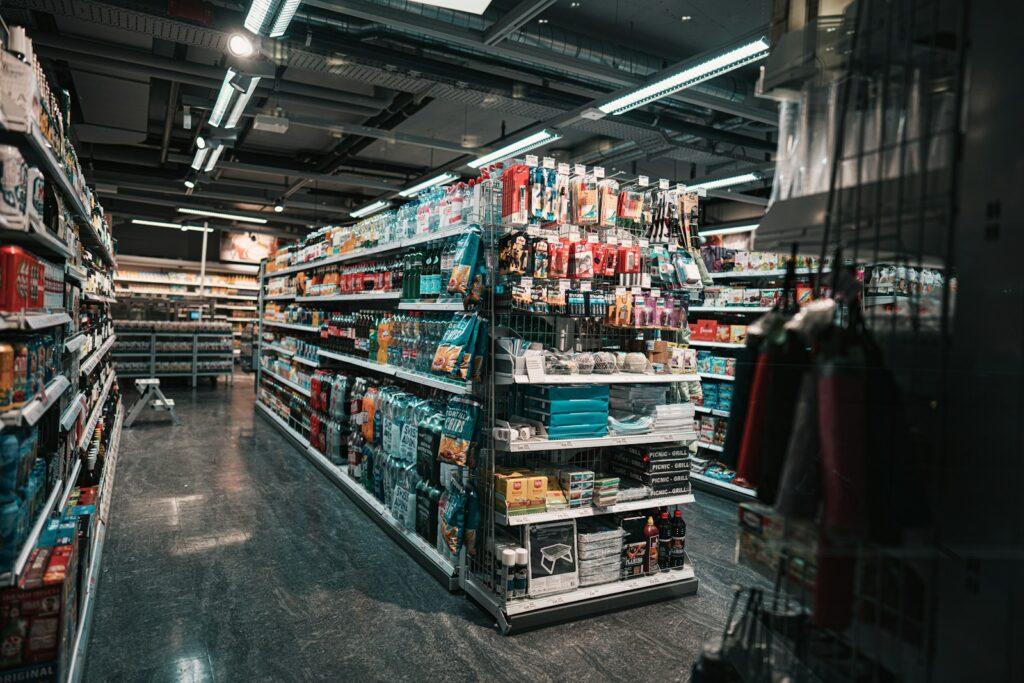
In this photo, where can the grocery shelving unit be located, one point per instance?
(193, 355)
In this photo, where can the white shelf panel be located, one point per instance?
(181, 283)
(288, 383)
(305, 361)
(98, 298)
(716, 345)
(594, 378)
(597, 442)
(279, 349)
(401, 373)
(711, 375)
(279, 297)
(362, 296)
(592, 511)
(729, 309)
(75, 344)
(89, 364)
(357, 254)
(514, 607)
(709, 446)
(33, 321)
(727, 485)
(711, 411)
(291, 326)
(233, 307)
(358, 362)
(750, 274)
(36, 236)
(37, 406)
(75, 273)
(431, 306)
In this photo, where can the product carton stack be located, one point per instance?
(663, 469)
(600, 549)
(520, 492)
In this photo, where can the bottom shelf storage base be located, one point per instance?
(427, 556)
(531, 613)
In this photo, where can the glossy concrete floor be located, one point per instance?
(230, 557)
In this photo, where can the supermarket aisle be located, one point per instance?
(231, 557)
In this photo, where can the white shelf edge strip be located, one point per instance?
(94, 416)
(288, 382)
(94, 358)
(597, 442)
(592, 511)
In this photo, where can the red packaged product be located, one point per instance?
(629, 259)
(558, 256)
(707, 330)
(22, 280)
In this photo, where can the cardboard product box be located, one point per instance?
(518, 487)
(647, 468)
(554, 560)
(634, 546)
(706, 330)
(658, 352)
(38, 617)
(656, 453)
(738, 334)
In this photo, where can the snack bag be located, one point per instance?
(456, 337)
(460, 421)
(452, 518)
(464, 263)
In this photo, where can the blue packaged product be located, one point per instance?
(717, 365)
(460, 422)
(576, 405)
(570, 392)
(10, 459)
(453, 517)
(464, 264)
(703, 361)
(577, 431)
(10, 513)
(455, 340)
(594, 419)
(710, 395)
(725, 397)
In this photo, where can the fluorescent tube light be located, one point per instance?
(529, 142)
(715, 66)
(243, 99)
(216, 214)
(471, 6)
(369, 208)
(284, 18)
(212, 161)
(419, 187)
(220, 106)
(258, 11)
(176, 226)
(200, 157)
(725, 182)
(727, 231)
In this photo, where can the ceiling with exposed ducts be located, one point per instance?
(360, 98)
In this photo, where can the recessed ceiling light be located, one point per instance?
(200, 142)
(542, 21)
(278, 207)
(240, 45)
(685, 17)
(574, 4)
(189, 183)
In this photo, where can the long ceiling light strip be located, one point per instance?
(212, 161)
(716, 66)
(217, 214)
(257, 16)
(724, 182)
(164, 224)
(707, 232)
(240, 103)
(284, 18)
(419, 187)
(526, 144)
(271, 16)
(220, 106)
(369, 209)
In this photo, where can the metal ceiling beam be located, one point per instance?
(513, 19)
(472, 38)
(319, 178)
(120, 53)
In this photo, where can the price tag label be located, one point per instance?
(637, 290)
(585, 286)
(643, 181)
(645, 280)
(656, 293)
(680, 187)
(612, 239)
(563, 285)
(662, 183)
(620, 291)
(533, 230)
(599, 172)
(702, 192)
(592, 238)
(535, 366)
(549, 162)
(627, 241)
(563, 169)
(526, 281)
(644, 243)
(579, 169)
(531, 160)
(672, 247)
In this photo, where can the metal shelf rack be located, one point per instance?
(193, 354)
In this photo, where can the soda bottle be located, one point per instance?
(651, 565)
(678, 540)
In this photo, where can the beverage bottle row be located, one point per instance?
(426, 272)
(401, 340)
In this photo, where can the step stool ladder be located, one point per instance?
(150, 394)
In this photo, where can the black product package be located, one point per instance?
(651, 467)
(634, 546)
(656, 453)
(428, 466)
(655, 481)
(553, 560)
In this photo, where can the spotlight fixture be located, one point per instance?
(200, 142)
(538, 139)
(217, 214)
(278, 206)
(369, 209)
(240, 45)
(725, 182)
(189, 183)
(419, 187)
(710, 67)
